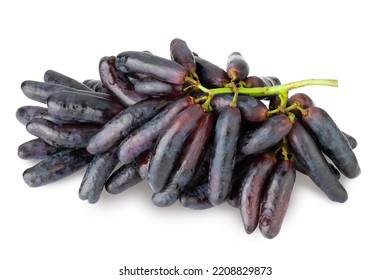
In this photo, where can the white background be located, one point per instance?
(48, 233)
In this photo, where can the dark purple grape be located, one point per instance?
(124, 178)
(26, 113)
(40, 91)
(152, 87)
(96, 175)
(252, 187)
(301, 169)
(276, 198)
(222, 163)
(210, 75)
(182, 55)
(169, 145)
(269, 133)
(123, 123)
(314, 163)
(79, 107)
(144, 137)
(68, 135)
(187, 163)
(117, 83)
(332, 141)
(145, 63)
(54, 77)
(56, 167)
(237, 68)
(196, 198)
(37, 149)
(251, 108)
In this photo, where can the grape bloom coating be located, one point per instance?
(198, 134)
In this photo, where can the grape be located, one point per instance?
(252, 187)
(187, 163)
(210, 74)
(124, 178)
(26, 113)
(224, 152)
(196, 198)
(96, 175)
(276, 198)
(123, 123)
(267, 135)
(237, 68)
(169, 145)
(117, 83)
(332, 141)
(151, 65)
(37, 149)
(153, 87)
(314, 163)
(79, 107)
(143, 138)
(54, 77)
(41, 91)
(68, 135)
(56, 167)
(182, 54)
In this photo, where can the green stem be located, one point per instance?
(267, 91)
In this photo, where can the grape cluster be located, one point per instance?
(197, 133)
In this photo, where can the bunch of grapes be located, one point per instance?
(197, 133)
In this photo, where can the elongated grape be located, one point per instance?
(314, 163)
(237, 68)
(223, 158)
(252, 188)
(55, 77)
(210, 75)
(124, 178)
(251, 108)
(152, 87)
(145, 63)
(169, 145)
(182, 54)
(40, 91)
(25, 114)
(79, 107)
(124, 123)
(117, 83)
(332, 141)
(187, 163)
(37, 149)
(196, 198)
(144, 137)
(96, 175)
(301, 169)
(68, 135)
(56, 167)
(269, 133)
(276, 198)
